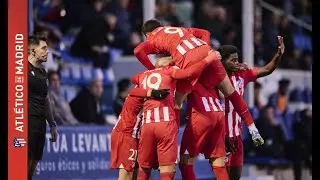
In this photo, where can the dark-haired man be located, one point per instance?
(39, 110)
(239, 80)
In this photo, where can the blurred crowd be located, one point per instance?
(99, 25)
(95, 27)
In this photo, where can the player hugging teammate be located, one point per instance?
(195, 73)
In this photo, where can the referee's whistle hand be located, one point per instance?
(54, 134)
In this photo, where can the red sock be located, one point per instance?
(177, 112)
(167, 176)
(187, 172)
(220, 172)
(144, 175)
(241, 107)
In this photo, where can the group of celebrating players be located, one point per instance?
(146, 134)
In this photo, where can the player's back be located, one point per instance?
(176, 41)
(158, 110)
(129, 120)
(204, 101)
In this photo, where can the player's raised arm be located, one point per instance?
(142, 51)
(272, 65)
(195, 70)
(201, 34)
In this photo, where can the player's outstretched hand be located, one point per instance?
(229, 144)
(160, 94)
(280, 45)
(54, 134)
(257, 139)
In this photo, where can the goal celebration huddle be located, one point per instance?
(145, 137)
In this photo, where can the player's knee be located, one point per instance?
(186, 159)
(217, 162)
(125, 175)
(168, 168)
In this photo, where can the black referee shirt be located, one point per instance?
(37, 93)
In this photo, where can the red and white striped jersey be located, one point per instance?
(239, 81)
(203, 101)
(129, 120)
(158, 110)
(176, 41)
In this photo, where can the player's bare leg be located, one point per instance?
(219, 168)
(125, 175)
(135, 174)
(234, 172)
(167, 172)
(144, 173)
(186, 167)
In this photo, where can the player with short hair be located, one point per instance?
(158, 144)
(188, 46)
(125, 133)
(239, 80)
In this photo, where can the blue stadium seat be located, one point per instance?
(307, 94)
(296, 95)
(66, 56)
(115, 54)
(86, 71)
(75, 71)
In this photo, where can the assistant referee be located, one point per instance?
(39, 110)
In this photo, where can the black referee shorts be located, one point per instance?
(36, 142)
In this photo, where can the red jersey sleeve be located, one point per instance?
(201, 34)
(190, 72)
(138, 92)
(142, 51)
(251, 74)
(135, 78)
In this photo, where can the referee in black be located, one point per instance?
(39, 110)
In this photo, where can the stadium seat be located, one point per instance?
(307, 94)
(296, 95)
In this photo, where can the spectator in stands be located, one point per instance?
(303, 143)
(86, 105)
(120, 9)
(307, 61)
(134, 41)
(123, 91)
(95, 40)
(61, 110)
(259, 49)
(271, 131)
(286, 29)
(166, 13)
(213, 19)
(279, 100)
